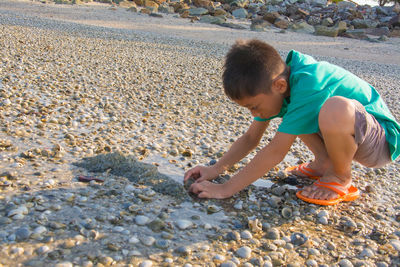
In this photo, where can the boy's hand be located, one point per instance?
(208, 189)
(201, 173)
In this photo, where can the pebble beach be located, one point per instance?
(101, 112)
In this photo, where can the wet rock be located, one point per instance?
(184, 224)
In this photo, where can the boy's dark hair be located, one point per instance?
(249, 68)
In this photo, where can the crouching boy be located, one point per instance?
(337, 115)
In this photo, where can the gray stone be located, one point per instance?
(323, 220)
(183, 250)
(356, 34)
(246, 235)
(43, 249)
(326, 31)
(367, 253)
(141, 220)
(345, 263)
(311, 263)
(259, 25)
(395, 244)
(162, 243)
(298, 239)
(378, 31)
(320, 3)
(146, 263)
(282, 22)
(238, 3)
(364, 23)
(148, 240)
(234, 235)
(327, 22)
(302, 27)
(314, 20)
(198, 11)
(346, 4)
(238, 205)
(183, 224)
(166, 9)
(273, 234)
(64, 264)
(22, 233)
(228, 264)
(240, 13)
(244, 252)
(212, 20)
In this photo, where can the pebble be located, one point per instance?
(233, 235)
(323, 220)
(22, 233)
(64, 264)
(298, 239)
(367, 253)
(246, 235)
(183, 250)
(273, 234)
(43, 249)
(148, 240)
(17, 250)
(244, 252)
(395, 244)
(238, 205)
(228, 264)
(312, 263)
(146, 263)
(345, 263)
(141, 220)
(184, 224)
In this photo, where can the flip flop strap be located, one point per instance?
(335, 187)
(305, 170)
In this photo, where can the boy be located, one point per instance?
(337, 115)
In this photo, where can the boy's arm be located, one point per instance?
(239, 149)
(243, 145)
(265, 159)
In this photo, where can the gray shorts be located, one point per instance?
(373, 149)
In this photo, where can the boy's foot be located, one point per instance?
(305, 170)
(328, 192)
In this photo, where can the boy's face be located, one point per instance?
(265, 105)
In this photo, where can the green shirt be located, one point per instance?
(312, 83)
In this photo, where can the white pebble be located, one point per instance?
(183, 224)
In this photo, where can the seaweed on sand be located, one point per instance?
(137, 172)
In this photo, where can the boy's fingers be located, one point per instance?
(204, 194)
(189, 174)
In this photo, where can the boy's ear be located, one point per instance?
(280, 85)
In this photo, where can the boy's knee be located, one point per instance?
(337, 114)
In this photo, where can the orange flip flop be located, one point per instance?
(304, 169)
(349, 194)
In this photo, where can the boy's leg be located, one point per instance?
(336, 121)
(321, 162)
